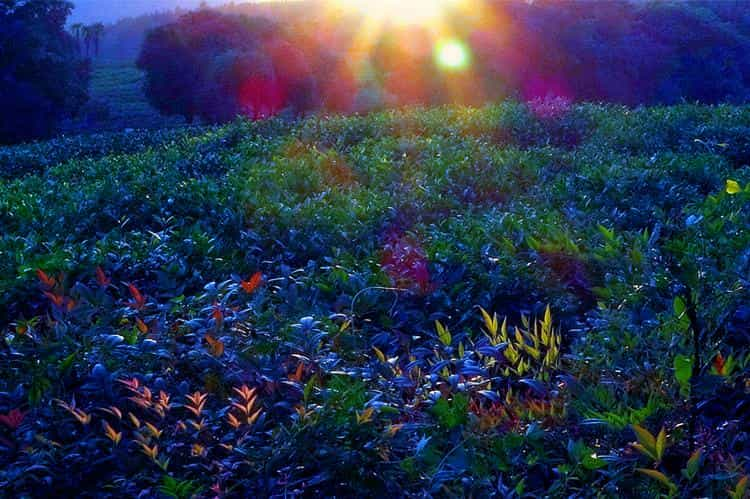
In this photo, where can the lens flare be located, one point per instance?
(452, 55)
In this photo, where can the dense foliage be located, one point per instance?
(218, 66)
(42, 76)
(521, 300)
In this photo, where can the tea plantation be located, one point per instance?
(523, 300)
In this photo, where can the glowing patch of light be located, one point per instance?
(401, 11)
(452, 55)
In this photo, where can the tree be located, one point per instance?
(42, 76)
(92, 36)
(77, 31)
(95, 31)
(217, 66)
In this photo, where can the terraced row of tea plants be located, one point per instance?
(514, 301)
(117, 102)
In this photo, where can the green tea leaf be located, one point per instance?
(683, 369)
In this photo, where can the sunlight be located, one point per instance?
(452, 55)
(400, 11)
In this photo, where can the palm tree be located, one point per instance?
(92, 35)
(97, 30)
(77, 30)
(87, 37)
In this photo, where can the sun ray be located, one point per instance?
(400, 11)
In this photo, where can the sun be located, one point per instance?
(401, 11)
(452, 55)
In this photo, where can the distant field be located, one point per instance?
(117, 102)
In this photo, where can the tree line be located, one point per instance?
(43, 76)
(217, 65)
(260, 60)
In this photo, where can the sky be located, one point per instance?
(89, 11)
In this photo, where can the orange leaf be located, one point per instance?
(45, 279)
(217, 314)
(297, 376)
(58, 300)
(197, 398)
(253, 283)
(151, 452)
(216, 347)
(114, 436)
(131, 384)
(142, 327)
(251, 419)
(233, 421)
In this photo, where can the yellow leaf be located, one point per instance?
(381, 355)
(645, 437)
(660, 477)
(443, 333)
(740, 489)
(733, 187)
(661, 444)
(393, 429)
(136, 422)
(153, 430)
(365, 416)
(490, 322)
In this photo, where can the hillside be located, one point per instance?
(293, 308)
(117, 102)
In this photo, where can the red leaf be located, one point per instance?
(45, 279)
(138, 300)
(719, 363)
(252, 284)
(102, 278)
(13, 419)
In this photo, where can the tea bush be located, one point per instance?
(517, 301)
